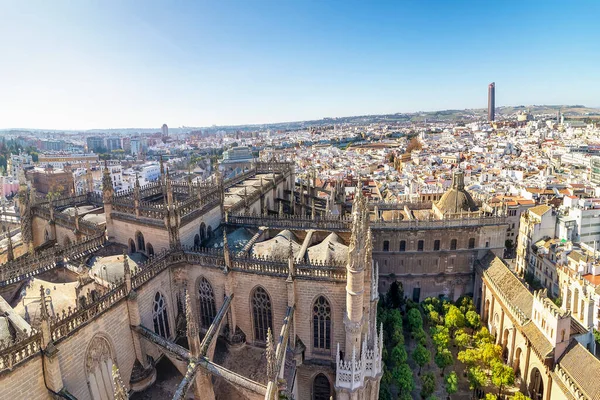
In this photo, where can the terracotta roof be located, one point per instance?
(511, 287)
(583, 368)
(540, 210)
(537, 339)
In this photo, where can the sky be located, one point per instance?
(126, 64)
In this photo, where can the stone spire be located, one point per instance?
(137, 196)
(76, 217)
(126, 271)
(162, 168)
(270, 355)
(120, 390)
(291, 271)
(107, 185)
(355, 272)
(89, 178)
(192, 325)
(10, 255)
(170, 200)
(226, 252)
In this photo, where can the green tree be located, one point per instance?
(420, 336)
(502, 375)
(473, 320)
(415, 321)
(462, 339)
(476, 377)
(469, 357)
(403, 378)
(451, 383)
(395, 295)
(440, 336)
(384, 392)
(483, 336)
(489, 396)
(443, 358)
(490, 353)
(454, 319)
(399, 355)
(427, 385)
(421, 356)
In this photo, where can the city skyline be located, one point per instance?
(77, 67)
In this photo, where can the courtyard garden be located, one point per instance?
(437, 349)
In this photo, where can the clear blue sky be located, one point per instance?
(116, 64)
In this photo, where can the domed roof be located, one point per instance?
(456, 199)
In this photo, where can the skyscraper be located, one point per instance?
(491, 101)
(165, 130)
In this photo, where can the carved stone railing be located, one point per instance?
(351, 374)
(27, 266)
(69, 321)
(152, 267)
(13, 354)
(67, 221)
(333, 223)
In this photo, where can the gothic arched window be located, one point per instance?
(386, 245)
(208, 309)
(322, 324)
(403, 245)
(141, 245)
(202, 232)
(321, 388)
(472, 243)
(149, 249)
(160, 317)
(261, 311)
(98, 365)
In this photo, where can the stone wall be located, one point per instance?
(113, 325)
(26, 381)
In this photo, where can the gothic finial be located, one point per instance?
(120, 392)
(43, 309)
(192, 326)
(270, 355)
(162, 166)
(126, 268)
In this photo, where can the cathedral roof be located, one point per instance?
(456, 199)
(278, 246)
(330, 249)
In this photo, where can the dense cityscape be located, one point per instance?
(299, 200)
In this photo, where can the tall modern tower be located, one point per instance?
(165, 130)
(491, 101)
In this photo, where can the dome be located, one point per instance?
(456, 199)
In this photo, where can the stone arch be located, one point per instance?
(322, 317)
(206, 299)
(495, 325)
(505, 345)
(131, 246)
(197, 240)
(160, 315)
(66, 241)
(140, 242)
(209, 232)
(536, 384)
(321, 387)
(149, 249)
(472, 243)
(486, 311)
(99, 360)
(268, 203)
(202, 232)
(262, 313)
(517, 362)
